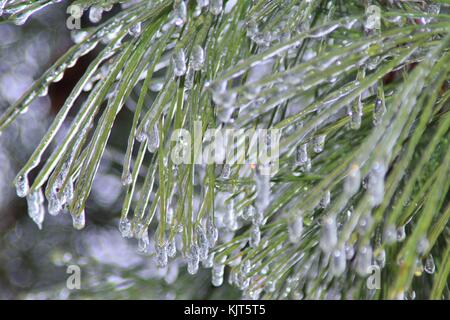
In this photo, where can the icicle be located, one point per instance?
(262, 191)
(153, 139)
(338, 262)
(161, 256)
(378, 111)
(325, 201)
(95, 14)
(218, 271)
(79, 221)
(22, 186)
(353, 180)
(179, 63)
(301, 156)
(328, 239)
(180, 13)
(211, 232)
(193, 260)
(255, 236)
(295, 228)
(429, 267)
(215, 7)
(198, 57)
(248, 212)
(258, 218)
(171, 248)
(319, 143)
(229, 218)
(209, 262)
(54, 205)
(125, 228)
(203, 243)
(364, 260)
(143, 242)
(375, 187)
(36, 209)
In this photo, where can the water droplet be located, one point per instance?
(126, 178)
(22, 186)
(319, 143)
(429, 267)
(179, 63)
(401, 233)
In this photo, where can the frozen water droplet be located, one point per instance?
(79, 221)
(125, 228)
(218, 271)
(36, 209)
(54, 205)
(255, 236)
(126, 179)
(203, 243)
(95, 14)
(328, 239)
(319, 143)
(193, 260)
(22, 186)
(301, 156)
(338, 261)
(364, 260)
(390, 234)
(78, 35)
(143, 242)
(378, 111)
(172, 248)
(209, 262)
(135, 30)
(226, 171)
(248, 212)
(325, 201)
(295, 228)
(429, 267)
(375, 187)
(180, 14)
(198, 57)
(161, 256)
(215, 7)
(353, 180)
(179, 63)
(401, 233)
(153, 139)
(211, 232)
